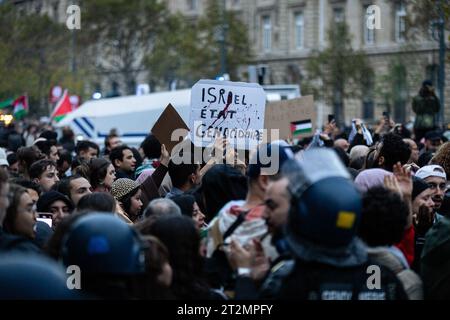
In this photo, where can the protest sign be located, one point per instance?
(165, 126)
(295, 118)
(233, 110)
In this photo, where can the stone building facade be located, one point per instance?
(285, 33)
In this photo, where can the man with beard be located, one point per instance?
(277, 201)
(436, 178)
(319, 230)
(277, 204)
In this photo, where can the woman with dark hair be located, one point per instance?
(190, 208)
(159, 273)
(182, 239)
(98, 202)
(101, 175)
(20, 216)
(128, 193)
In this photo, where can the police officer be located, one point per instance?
(331, 263)
(109, 254)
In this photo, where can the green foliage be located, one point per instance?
(394, 86)
(338, 72)
(122, 32)
(190, 50)
(118, 39)
(425, 12)
(34, 56)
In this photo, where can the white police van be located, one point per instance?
(134, 116)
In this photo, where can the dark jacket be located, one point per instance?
(247, 289)
(425, 109)
(319, 281)
(122, 174)
(12, 243)
(151, 185)
(435, 262)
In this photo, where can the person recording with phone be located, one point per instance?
(324, 138)
(359, 134)
(385, 125)
(56, 205)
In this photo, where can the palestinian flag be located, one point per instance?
(20, 106)
(301, 127)
(62, 108)
(6, 103)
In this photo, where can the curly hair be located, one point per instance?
(394, 150)
(442, 158)
(384, 217)
(151, 147)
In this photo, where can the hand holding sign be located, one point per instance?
(165, 126)
(293, 118)
(232, 110)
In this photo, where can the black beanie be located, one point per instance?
(419, 186)
(47, 198)
(49, 135)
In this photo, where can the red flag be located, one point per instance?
(63, 107)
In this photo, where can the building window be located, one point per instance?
(299, 30)
(267, 33)
(38, 7)
(400, 22)
(56, 11)
(338, 15)
(369, 34)
(368, 96)
(431, 72)
(192, 5)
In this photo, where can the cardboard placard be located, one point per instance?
(295, 118)
(165, 126)
(233, 110)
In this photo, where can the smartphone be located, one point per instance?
(46, 218)
(331, 118)
(386, 115)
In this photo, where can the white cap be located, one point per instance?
(39, 140)
(431, 171)
(3, 161)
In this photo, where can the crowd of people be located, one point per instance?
(359, 215)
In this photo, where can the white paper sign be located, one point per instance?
(234, 110)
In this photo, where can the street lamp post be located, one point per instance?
(223, 37)
(442, 49)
